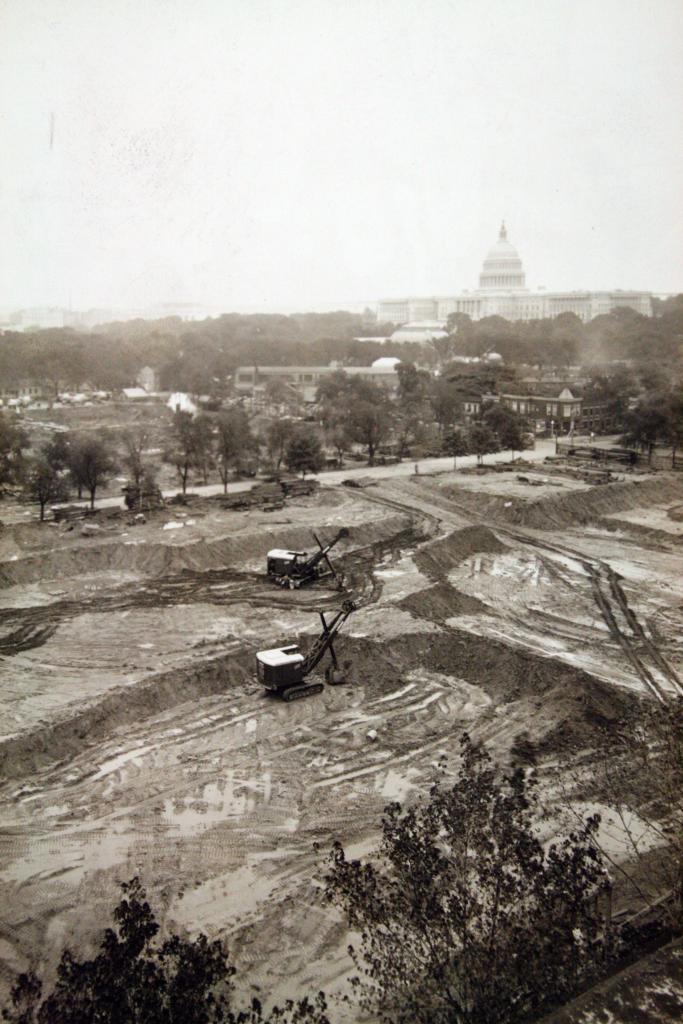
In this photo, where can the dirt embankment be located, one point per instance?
(573, 508)
(153, 558)
(436, 558)
(558, 704)
(28, 752)
(441, 602)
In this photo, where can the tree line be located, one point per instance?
(199, 357)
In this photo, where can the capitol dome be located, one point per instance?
(502, 269)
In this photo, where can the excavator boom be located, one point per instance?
(328, 634)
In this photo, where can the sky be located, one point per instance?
(310, 154)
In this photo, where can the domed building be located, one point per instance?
(502, 292)
(502, 269)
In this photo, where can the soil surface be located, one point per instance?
(136, 739)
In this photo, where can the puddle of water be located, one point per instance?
(221, 801)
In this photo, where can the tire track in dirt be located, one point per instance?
(608, 596)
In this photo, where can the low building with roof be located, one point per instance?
(251, 380)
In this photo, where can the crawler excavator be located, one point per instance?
(294, 568)
(283, 670)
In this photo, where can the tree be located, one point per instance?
(481, 440)
(637, 772)
(56, 450)
(280, 394)
(369, 414)
(234, 442)
(278, 436)
(203, 444)
(464, 917)
(446, 402)
(137, 979)
(658, 417)
(508, 426)
(413, 384)
(455, 444)
(13, 443)
(411, 401)
(91, 462)
(186, 448)
(134, 444)
(336, 431)
(43, 483)
(304, 453)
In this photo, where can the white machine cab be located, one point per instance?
(280, 665)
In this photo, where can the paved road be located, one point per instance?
(334, 477)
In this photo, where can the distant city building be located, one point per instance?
(251, 380)
(421, 331)
(502, 292)
(40, 318)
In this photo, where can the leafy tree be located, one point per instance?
(413, 384)
(411, 405)
(507, 425)
(304, 453)
(137, 979)
(455, 444)
(336, 431)
(186, 448)
(43, 483)
(369, 414)
(362, 405)
(134, 444)
(56, 450)
(481, 440)
(13, 443)
(637, 772)
(203, 444)
(91, 463)
(278, 436)
(464, 917)
(278, 393)
(658, 417)
(673, 429)
(234, 442)
(332, 388)
(446, 401)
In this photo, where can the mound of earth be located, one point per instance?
(441, 602)
(438, 557)
(168, 556)
(571, 508)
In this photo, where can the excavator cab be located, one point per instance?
(294, 568)
(283, 563)
(280, 667)
(283, 670)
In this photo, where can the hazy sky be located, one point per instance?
(301, 153)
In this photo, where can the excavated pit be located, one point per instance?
(140, 742)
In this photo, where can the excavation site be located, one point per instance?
(524, 606)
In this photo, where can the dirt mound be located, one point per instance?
(153, 558)
(437, 557)
(440, 602)
(28, 752)
(572, 508)
(560, 706)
